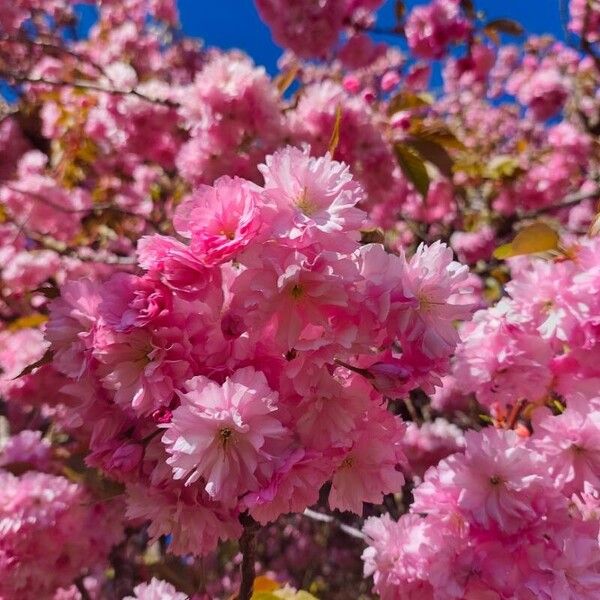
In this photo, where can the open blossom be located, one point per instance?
(297, 293)
(500, 361)
(431, 28)
(220, 219)
(498, 481)
(195, 523)
(144, 369)
(314, 199)
(370, 467)
(156, 589)
(72, 325)
(38, 510)
(27, 447)
(224, 435)
(294, 486)
(129, 301)
(571, 443)
(431, 279)
(176, 266)
(308, 28)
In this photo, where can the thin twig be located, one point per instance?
(514, 413)
(569, 201)
(82, 589)
(86, 85)
(323, 518)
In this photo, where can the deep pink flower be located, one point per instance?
(220, 220)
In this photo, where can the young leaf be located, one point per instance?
(434, 153)
(406, 101)
(399, 10)
(335, 134)
(286, 78)
(507, 26)
(532, 239)
(413, 167)
(46, 359)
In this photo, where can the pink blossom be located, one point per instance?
(430, 29)
(27, 447)
(72, 326)
(195, 523)
(225, 435)
(313, 198)
(431, 278)
(571, 444)
(220, 220)
(129, 301)
(39, 552)
(176, 265)
(368, 469)
(156, 589)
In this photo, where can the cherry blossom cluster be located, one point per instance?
(506, 518)
(49, 532)
(215, 380)
(311, 29)
(541, 340)
(228, 296)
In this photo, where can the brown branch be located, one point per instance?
(82, 589)
(248, 549)
(570, 200)
(51, 47)
(85, 85)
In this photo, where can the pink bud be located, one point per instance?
(389, 81)
(351, 84)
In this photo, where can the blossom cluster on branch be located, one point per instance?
(335, 329)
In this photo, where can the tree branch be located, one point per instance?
(248, 549)
(570, 200)
(85, 85)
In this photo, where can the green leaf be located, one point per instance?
(438, 133)
(434, 153)
(406, 101)
(413, 167)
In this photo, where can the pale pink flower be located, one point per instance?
(313, 198)
(294, 486)
(432, 281)
(431, 28)
(370, 467)
(500, 480)
(571, 444)
(26, 447)
(226, 434)
(72, 326)
(195, 523)
(156, 589)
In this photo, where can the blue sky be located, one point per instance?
(236, 24)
